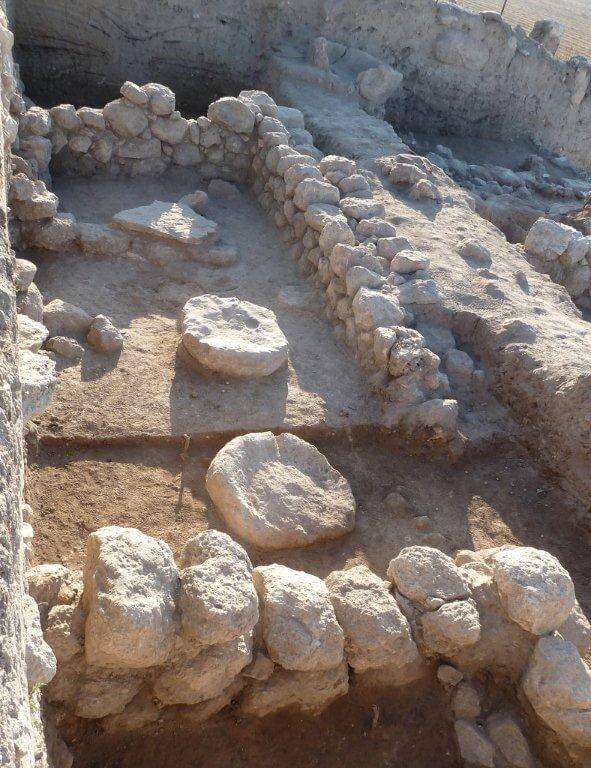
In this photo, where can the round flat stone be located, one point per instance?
(279, 492)
(233, 337)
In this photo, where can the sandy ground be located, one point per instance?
(150, 391)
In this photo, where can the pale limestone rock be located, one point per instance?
(65, 347)
(171, 130)
(379, 84)
(38, 381)
(311, 191)
(278, 492)
(535, 590)
(104, 336)
(373, 309)
(63, 319)
(266, 104)
(217, 599)
(134, 93)
(104, 692)
(451, 627)
(475, 746)
(357, 208)
(140, 149)
(124, 118)
(39, 658)
(198, 675)
(232, 114)
(406, 262)
(465, 701)
(558, 686)
(65, 116)
(37, 121)
(31, 335)
(92, 118)
(186, 154)
(57, 234)
(170, 221)
(507, 736)
(310, 692)
(548, 239)
(298, 622)
(130, 584)
(53, 584)
(376, 632)
(197, 200)
(577, 630)
(102, 240)
(24, 274)
(424, 574)
(233, 337)
(64, 631)
(161, 99)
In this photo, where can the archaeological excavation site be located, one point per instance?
(295, 387)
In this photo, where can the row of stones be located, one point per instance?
(135, 635)
(141, 132)
(370, 278)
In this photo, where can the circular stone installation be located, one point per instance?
(233, 337)
(279, 492)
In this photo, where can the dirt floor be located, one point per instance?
(412, 730)
(150, 391)
(486, 501)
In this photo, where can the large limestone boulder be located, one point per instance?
(64, 319)
(233, 337)
(124, 118)
(558, 686)
(535, 590)
(197, 675)
(278, 492)
(376, 632)
(130, 585)
(174, 222)
(548, 239)
(298, 625)
(233, 114)
(217, 600)
(428, 577)
(310, 692)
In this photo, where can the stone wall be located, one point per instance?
(140, 639)
(464, 72)
(18, 735)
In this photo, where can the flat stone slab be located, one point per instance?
(170, 221)
(279, 492)
(237, 338)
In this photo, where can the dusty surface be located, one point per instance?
(490, 500)
(150, 390)
(412, 730)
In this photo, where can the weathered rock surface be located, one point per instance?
(535, 590)
(475, 746)
(104, 337)
(507, 736)
(40, 660)
(454, 626)
(64, 319)
(308, 691)
(278, 492)
(233, 337)
(558, 686)
(169, 221)
(217, 598)
(130, 584)
(38, 382)
(424, 574)
(31, 334)
(376, 632)
(298, 622)
(197, 675)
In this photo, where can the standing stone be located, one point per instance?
(130, 584)
(298, 622)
